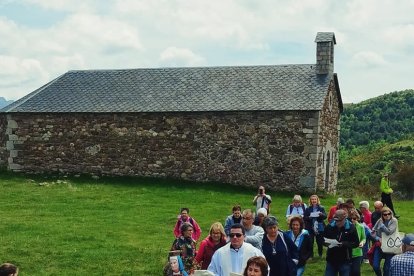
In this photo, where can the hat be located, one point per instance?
(408, 239)
(270, 221)
(364, 204)
(262, 211)
(340, 200)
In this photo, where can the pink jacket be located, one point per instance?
(197, 230)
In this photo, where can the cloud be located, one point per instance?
(367, 59)
(173, 56)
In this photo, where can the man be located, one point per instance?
(333, 209)
(404, 264)
(234, 255)
(254, 234)
(376, 215)
(232, 219)
(340, 237)
(386, 192)
(185, 217)
(262, 200)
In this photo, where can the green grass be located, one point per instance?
(116, 226)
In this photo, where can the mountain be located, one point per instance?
(4, 102)
(377, 136)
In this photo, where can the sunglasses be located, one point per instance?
(386, 214)
(232, 235)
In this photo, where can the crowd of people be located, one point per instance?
(253, 242)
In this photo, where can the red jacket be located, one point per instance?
(206, 251)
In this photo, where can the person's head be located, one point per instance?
(261, 214)
(261, 190)
(8, 269)
(247, 218)
(350, 202)
(386, 213)
(184, 213)
(378, 206)
(236, 211)
(271, 226)
(354, 216)
(408, 242)
(344, 207)
(296, 224)
(314, 200)
(256, 266)
(340, 217)
(237, 234)
(217, 232)
(364, 206)
(297, 200)
(339, 201)
(186, 230)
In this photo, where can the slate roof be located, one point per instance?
(233, 88)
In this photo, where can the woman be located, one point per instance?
(280, 251)
(296, 208)
(261, 215)
(256, 266)
(186, 245)
(8, 269)
(185, 217)
(314, 222)
(215, 240)
(357, 252)
(387, 224)
(302, 240)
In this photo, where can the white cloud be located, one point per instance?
(173, 56)
(367, 59)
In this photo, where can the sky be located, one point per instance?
(43, 39)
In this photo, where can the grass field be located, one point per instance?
(117, 226)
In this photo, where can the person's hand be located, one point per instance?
(361, 244)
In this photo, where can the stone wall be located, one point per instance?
(3, 138)
(277, 149)
(328, 143)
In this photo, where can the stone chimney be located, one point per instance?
(325, 53)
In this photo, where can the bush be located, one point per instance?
(405, 179)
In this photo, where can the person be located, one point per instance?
(335, 207)
(215, 240)
(404, 264)
(302, 240)
(232, 219)
(280, 251)
(262, 200)
(297, 207)
(177, 267)
(8, 269)
(340, 237)
(357, 253)
(386, 224)
(376, 215)
(366, 213)
(256, 266)
(386, 191)
(254, 234)
(314, 222)
(186, 245)
(234, 255)
(184, 217)
(261, 215)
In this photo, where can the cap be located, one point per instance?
(408, 239)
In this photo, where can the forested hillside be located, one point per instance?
(377, 136)
(389, 117)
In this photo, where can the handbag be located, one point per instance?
(391, 244)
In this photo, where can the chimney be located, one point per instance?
(325, 52)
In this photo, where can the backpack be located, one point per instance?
(291, 208)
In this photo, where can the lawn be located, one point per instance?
(117, 226)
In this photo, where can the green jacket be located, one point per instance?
(385, 186)
(357, 251)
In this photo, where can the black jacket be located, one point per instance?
(347, 235)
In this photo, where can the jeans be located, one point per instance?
(334, 269)
(378, 255)
(356, 266)
(300, 270)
